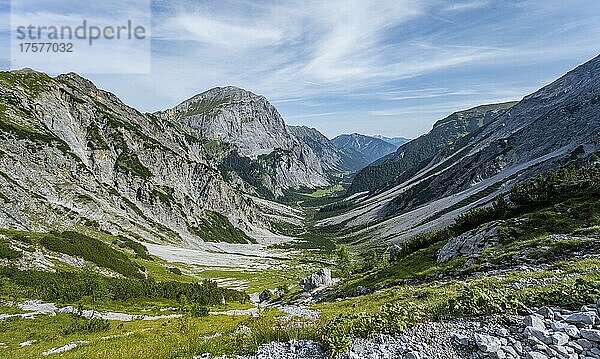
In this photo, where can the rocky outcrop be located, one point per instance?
(321, 278)
(471, 243)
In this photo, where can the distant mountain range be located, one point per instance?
(370, 148)
(397, 141)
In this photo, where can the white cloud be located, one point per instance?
(220, 33)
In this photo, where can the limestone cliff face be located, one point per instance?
(284, 157)
(71, 154)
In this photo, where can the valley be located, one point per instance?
(215, 229)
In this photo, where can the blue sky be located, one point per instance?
(374, 67)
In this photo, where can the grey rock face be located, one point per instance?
(291, 157)
(88, 159)
(470, 243)
(321, 278)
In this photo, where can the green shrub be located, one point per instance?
(8, 253)
(424, 240)
(215, 227)
(487, 297)
(199, 310)
(477, 216)
(139, 249)
(69, 287)
(175, 270)
(391, 319)
(94, 325)
(92, 250)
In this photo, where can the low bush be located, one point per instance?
(69, 287)
(92, 250)
(199, 310)
(94, 325)
(175, 270)
(391, 319)
(8, 253)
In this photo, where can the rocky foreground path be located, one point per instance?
(545, 333)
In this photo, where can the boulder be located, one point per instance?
(590, 334)
(265, 296)
(461, 339)
(360, 290)
(470, 243)
(321, 278)
(487, 343)
(534, 321)
(583, 318)
(395, 250)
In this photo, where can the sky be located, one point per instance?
(390, 67)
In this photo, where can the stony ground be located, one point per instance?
(545, 333)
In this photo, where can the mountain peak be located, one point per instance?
(226, 94)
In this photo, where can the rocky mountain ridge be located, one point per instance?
(396, 141)
(414, 191)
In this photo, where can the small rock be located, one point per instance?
(503, 332)
(576, 347)
(560, 339)
(540, 335)
(585, 344)
(536, 355)
(412, 355)
(360, 290)
(546, 312)
(265, 296)
(461, 339)
(573, 332)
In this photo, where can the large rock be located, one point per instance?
(487, 343)
(588, 318)
(321, 278)
(470, 243)
(265, 296)
(534, 321)
(590, 334)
